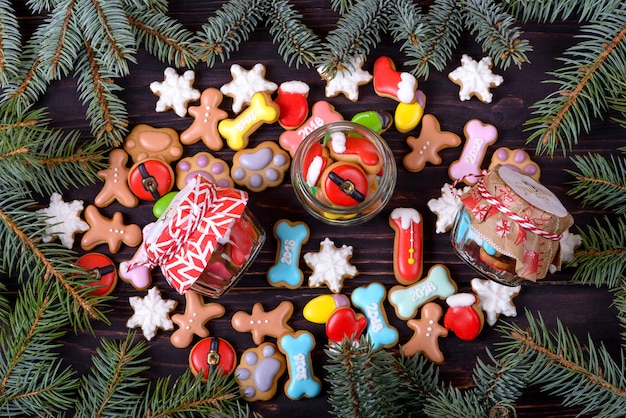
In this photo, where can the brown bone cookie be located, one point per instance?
(144, 142)
(426, 147)
(260, 323)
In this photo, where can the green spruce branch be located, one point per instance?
(584, 84)
(584, 375)
(10, 42)
(553, 10)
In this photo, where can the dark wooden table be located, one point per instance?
(584, 309)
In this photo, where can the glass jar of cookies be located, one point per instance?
(509, 226)
(343, 173)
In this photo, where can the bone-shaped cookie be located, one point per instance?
(478, 137)
(370, 300)
(322, 113)
(297, 348)
(407, 300)
(237, 131)
(286, 271)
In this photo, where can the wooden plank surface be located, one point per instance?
(584, 309)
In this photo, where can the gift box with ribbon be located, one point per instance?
(509, 227)
(205, 239)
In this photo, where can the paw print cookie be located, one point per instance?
(258, 372)
(145, 142)
(260, 167)
(175, 91)
(205, 164)
(517, 159)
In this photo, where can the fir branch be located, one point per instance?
(162, 36)
(341, 6)
(188, 395)
(357, 32)
(586, 376)
(600, 182)
(619, 301)
(33, 379)
(40, 6)
(114, 384)
(106, 112)
(158, 6)
(552, 10)
(25, 255)
(10, 42)
(106, 29)
(298, 45)
(61, 41)
(418, 379)
(495, 31)
(583, 85)
(601, 259)
(34, 156)
(427, 40)
(231, 25)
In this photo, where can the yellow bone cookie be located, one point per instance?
(237, 131)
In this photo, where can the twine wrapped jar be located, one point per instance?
(509, 226)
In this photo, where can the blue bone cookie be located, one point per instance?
(407, 300)
(370, 300)
(297, 348)
(285, 272)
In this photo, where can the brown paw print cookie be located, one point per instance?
(258, 372)
(145, 142)
(192, 321)
(426, 147)
(204, 126)
(205, 164)
(260, 323)
(260, 167)
(109, 231)
(116, 182)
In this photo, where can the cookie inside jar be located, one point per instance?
(343, 173)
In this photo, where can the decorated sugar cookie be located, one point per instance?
(446, 207)
(347, 80)
(495, 298)
(475, 79)
(330, 265)
(245, 84)
(63, 219)
(175, 91)
(151, 313)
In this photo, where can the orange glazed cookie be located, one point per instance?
(426, 147)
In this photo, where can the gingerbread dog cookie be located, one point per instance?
(426, 147)
(261, 323)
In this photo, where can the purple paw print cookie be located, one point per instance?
(517, 159)
(260, 167)
(214, 169)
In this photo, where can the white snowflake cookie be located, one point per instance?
(64, 220)
(151, 313)
(330, 265)
(446, 207)
(475, 79)
(175, 91)
(245, 84)
(495, 298)
(348, 80)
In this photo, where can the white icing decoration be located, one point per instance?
(338, 142)
(406, 88)
(495, 299)
(330, 265)
(245, 84)
(446, 207)
(64, 220)
(175, 91)
(295, 87)
(315, 171)
(348, 80)
(406, 216)
(460, 300)
(475, 78)
(151, 312)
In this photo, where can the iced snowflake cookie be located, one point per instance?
(330, 265)
(64, 220)
(151, 313)
(495, 298)
(245, 84)
(475, 79)
(175, 91)
(258, 372)
(347, 80)
(446, 207)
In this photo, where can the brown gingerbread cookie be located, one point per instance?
(192, 321)
(204, 126)
(425, 340)
(145, 142)
(109, 231)
(116, 182)
(426, 147)
(260, 323)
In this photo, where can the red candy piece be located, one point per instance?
(211, 355)
(103, 270)
(316, 151)
(345, 322)
(345, 184)
(151, 179)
